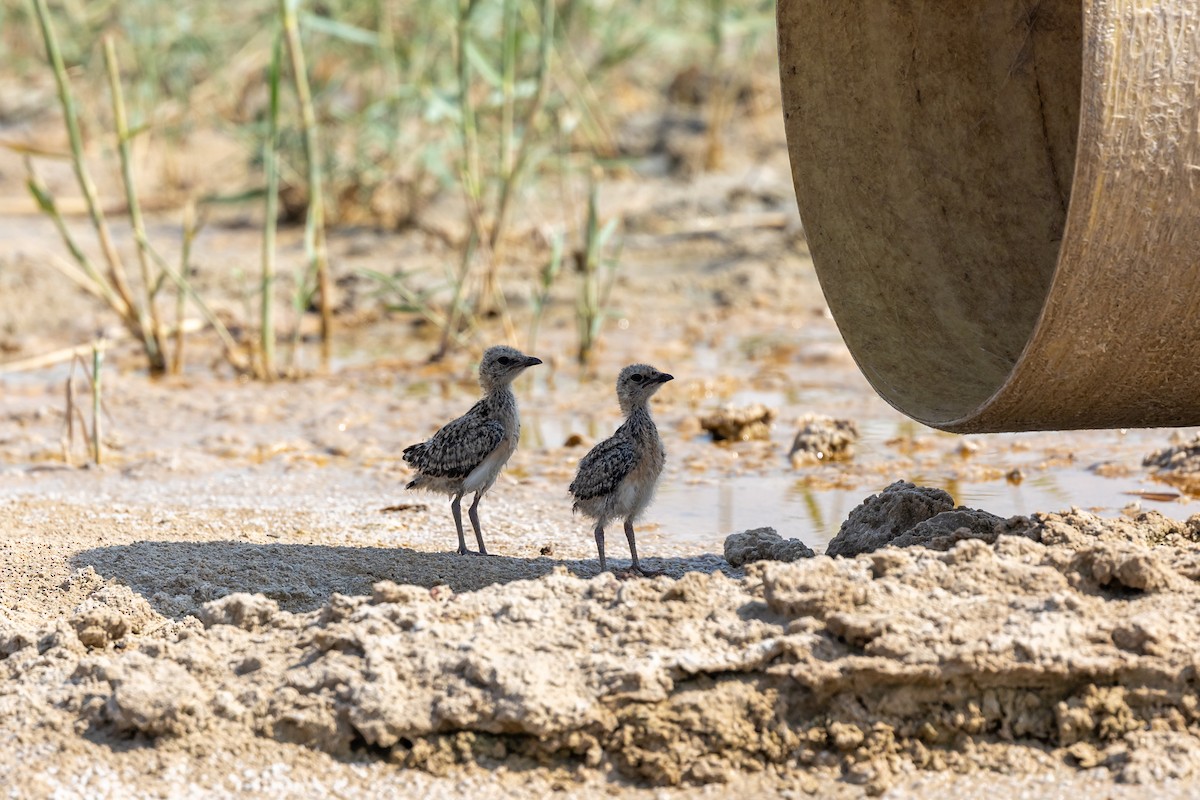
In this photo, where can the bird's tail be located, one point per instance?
(413, 452)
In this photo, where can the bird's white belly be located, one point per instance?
(482, 477)
(632, 497)
(627, 498)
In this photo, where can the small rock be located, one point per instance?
(967, 448)
(98, 627)
(575, 440)
(822, 438)
(1178, 465)
(763, 544)
(389, 592)
(739, 424)
(241, 610)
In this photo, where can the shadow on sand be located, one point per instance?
(177, 577)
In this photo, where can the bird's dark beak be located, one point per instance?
(664, 377)
(530, 361)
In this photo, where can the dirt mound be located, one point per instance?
(823, 438)
(873, 666)
(903, 515)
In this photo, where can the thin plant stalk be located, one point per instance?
(134, 317)
(460, 282)
(179, 278)
(541, 298)
(314, 230)
(508, 83)
(467, 123)
(593, 301)
(136, 222)
(469, 174)
(714, 153)
(513, 162)
(69, 436)
(271, 214)
(514, 172)
(181, 294)
(588, 301)
(91, 279)
(97, 363)
(74, 413)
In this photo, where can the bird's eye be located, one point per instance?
(636, 378)
(504, 361)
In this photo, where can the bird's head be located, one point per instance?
(637, 383)
(501, 364)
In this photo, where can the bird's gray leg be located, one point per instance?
(633, 552)
(600, 546)
(632, 546)
(473, 513)
(456, 510)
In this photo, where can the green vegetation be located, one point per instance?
(391, 105)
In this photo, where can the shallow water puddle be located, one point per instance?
(708, 513)
(1059, 471)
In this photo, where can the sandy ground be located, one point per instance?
(243, 600)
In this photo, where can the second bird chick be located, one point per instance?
(617, 478)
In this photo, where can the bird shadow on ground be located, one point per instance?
(177, 577)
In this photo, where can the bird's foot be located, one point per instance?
(465, 552)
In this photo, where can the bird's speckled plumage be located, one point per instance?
(617, 478)
(466, 455)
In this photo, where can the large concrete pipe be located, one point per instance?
(1002, 198)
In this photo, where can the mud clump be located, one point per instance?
(249, 612)
(99, 627)
(141, 695)
(903, 515)
(1178, 465)
(822, 438)
(763, 544)
(739, 423)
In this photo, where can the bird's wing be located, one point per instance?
(603, 468)
(457, 448)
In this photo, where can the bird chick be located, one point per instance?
(617, 478)
(467, 454)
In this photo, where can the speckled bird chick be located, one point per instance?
(467, 454)
(618, 477)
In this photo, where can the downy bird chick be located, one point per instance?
(467, 454)
(617, 478)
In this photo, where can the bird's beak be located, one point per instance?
(664, 377)
(530, 361)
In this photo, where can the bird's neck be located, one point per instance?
(500, 395)
(639, 412)
(501, 388)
